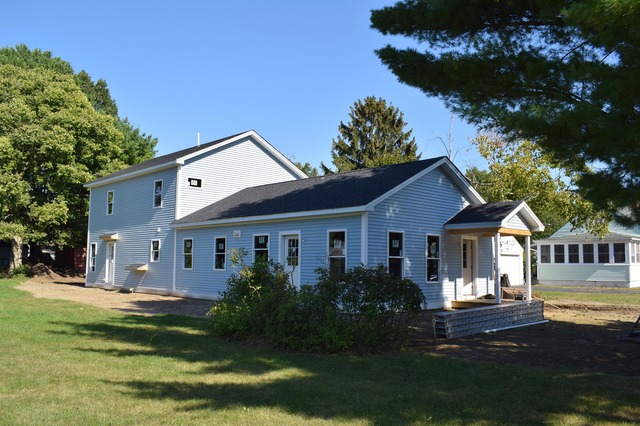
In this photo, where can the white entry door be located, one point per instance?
(468, 267)
(110, 268)
(291, 257)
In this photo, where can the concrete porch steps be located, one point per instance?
(464, 322)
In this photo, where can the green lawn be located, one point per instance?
(66, 363)
(588, 295)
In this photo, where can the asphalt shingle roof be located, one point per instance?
(483, 213)
(164, 159)
(341, 190)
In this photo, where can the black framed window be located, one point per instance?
(545, 253)
(587, 253)
(558, 253)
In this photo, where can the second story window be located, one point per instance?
(110, 200)
(157, 193)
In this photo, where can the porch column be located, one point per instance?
(527, 250)
(496, 244)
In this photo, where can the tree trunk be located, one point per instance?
(16, 253)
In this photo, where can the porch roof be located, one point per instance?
(505, 217)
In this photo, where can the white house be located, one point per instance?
(576, 257)
(168, 225)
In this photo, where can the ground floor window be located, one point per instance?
(220, 260)
(545, 253)
(433, 258)
(338, 252)
(619, 253)
(92, 257)
(587, 253)
(603, 253)
(260, 248)
(558, 253)
(396, 254)
(574, 253)
(187, 253)
(155, 250)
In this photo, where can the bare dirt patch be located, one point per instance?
(583, 335)
(53, 286)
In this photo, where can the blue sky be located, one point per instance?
(288, 69)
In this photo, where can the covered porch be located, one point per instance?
(474, 315)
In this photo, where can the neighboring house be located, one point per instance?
(578, 258)
(422, 220)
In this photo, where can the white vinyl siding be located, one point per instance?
(224, 171)
(136, 223)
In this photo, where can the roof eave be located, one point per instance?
(159, 167)
(271, 218)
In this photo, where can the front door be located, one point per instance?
(468, 267)
(111, 263)
(291, 254)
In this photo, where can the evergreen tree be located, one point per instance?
(373, 137)
(561, 73)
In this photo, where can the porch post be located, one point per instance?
(496, 255)
(527, 250)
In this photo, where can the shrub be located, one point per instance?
(363, 309)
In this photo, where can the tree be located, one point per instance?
(306, 168)
(562, 74)
(52, 141)
(374, 137)
(137, 146)
(520, 170)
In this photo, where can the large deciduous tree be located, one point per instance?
(58, 130)
(561, 73)
(520, 170)
(374, 136)
(52, 141)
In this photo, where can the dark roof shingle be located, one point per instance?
(484, 213)
(337, 191)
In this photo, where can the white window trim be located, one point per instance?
(161, 194)
(426, 254)
(113, 201)
(609, 253)
(215, 251)
(282, 249)
(329, 231)
(93, 256)
(390, 231)
(151, 251)
(568, 254)
(253, 242)
(184, 254)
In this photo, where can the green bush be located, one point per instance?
(366, 309)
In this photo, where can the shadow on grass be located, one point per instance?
(402, 388)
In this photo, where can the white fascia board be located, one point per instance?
(261, 141)
(272, 218)
(533, 222)
(463, 183)
(137, 173)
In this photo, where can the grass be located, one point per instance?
(66, 363)
(588, 295)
